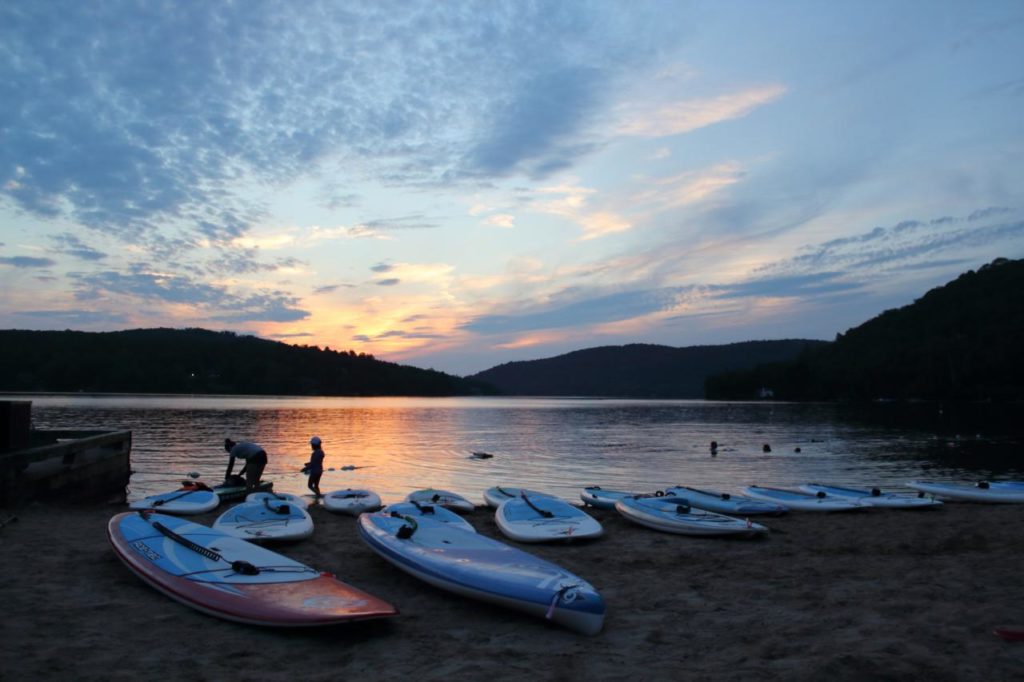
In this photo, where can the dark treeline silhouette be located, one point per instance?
(202, 361)
(960, 341)
(635, 370)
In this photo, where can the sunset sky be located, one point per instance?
(461, 184)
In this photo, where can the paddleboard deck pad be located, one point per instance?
(230, 578)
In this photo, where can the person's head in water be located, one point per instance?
(766, 448)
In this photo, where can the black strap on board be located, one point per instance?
(543, 512)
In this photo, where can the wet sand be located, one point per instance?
(867, 595)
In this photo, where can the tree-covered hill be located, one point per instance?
(960, 341)
(635, 370)
(202, 361)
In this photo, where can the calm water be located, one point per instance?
(556, 445)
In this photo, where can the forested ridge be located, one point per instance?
(961, 341)
(635, 370)
(199, 361)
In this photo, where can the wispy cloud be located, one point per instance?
(27, 262)
(684, 116)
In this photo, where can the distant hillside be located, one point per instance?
(960, 341)
(201, 361)
(636, 370)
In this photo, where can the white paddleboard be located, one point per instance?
(873, 497)
(596, 496)
(991, 493)
(192, 498)
(445, 498)
(479, 567)
(351, 502)
(265, 520)
(544, 519)
(675, 515)
(797, 500)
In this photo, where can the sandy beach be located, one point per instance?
(866, 595)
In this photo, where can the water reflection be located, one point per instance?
(557, 445)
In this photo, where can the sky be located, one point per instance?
(455, 185)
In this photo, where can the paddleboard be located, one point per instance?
(992, 493)
(498, 494)
(266, 519)
(191, 498)
(1010, 633)
(230, 578)
(445, 498)
(352, 502)
(544, 519)
(674, 515)
(797, 500)
(873, 497)
(232, 492)
(430, 511)
(596, 496)
(725, 503)
(479, 567)
(297, 500)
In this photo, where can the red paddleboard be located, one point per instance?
(1011, 634)
(230, 578)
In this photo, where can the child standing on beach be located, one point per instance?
(315, 466)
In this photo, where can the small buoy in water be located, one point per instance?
(766, 448)
(193, 474)
(796, 449)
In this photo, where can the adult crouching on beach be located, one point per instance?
(255, 458)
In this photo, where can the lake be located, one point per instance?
(558, 445)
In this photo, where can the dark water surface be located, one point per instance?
(556, 445)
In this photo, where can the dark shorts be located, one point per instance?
(260, 458)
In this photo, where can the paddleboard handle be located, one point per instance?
(244, 568)
(405, 531)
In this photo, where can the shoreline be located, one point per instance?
(853, 596)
